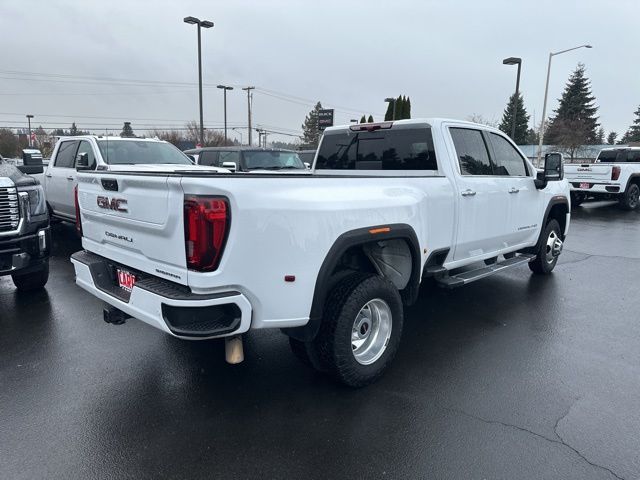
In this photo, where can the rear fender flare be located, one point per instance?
(352, 238)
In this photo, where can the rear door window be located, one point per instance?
(384, 149)
(610, 156)
(65, 158)
(472, 152)
(506, 158)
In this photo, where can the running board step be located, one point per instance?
(453, 281)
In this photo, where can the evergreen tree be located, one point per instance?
(363, 119)
(399, 107)
(633, 134)
(611, 138)
(575, 122)
(310, 131)
(522, 119)
(127, 131)
(600, 136)
(532, 138)
(73, 131)
(370, 119)
(406, 108)
(389, 113)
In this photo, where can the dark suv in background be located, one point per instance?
(247, 159)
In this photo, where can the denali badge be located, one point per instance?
(117, 204)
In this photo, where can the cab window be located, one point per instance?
(506, 159)
(472, 152)
(65, 157)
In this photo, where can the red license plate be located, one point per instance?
(126, 280)
(585, 185)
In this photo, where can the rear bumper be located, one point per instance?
(596, 188)
(169, 307)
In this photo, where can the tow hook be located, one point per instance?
(114, 316)
(233, 350)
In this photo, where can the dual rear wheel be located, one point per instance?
(360, 333)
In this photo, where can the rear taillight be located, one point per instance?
(206, 224)
(615, 173)
(78, 218)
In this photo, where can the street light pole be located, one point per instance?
(200, 24)
(249, 95)
(29, 117)
(546, 91)
(225, 88)
(514, 61)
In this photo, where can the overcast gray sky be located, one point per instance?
(349, 54)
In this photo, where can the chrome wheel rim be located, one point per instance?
(371, 331)
(553, 247)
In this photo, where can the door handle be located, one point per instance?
(48, 175)
(468, 193)
(69, 178)
(514, 190)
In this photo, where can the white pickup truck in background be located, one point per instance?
(614, 175)
(98, 153)
(329, 257)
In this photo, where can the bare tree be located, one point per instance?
(570, 135)
(212, 138)
(478, 118)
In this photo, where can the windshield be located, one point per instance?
(136, 152)
(272, 160)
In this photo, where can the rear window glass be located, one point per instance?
(400, 149)
(472, 151)
(608, 156)
(137, 152)
(633, 156)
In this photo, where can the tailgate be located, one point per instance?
(593, 172)
(135, 220)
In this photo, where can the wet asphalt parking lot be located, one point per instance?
(512, 377)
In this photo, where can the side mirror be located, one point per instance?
(230, 166)
(308, 165)
(31, 165)
(553, 166)
(192, 158)
(553, 170)
(82, 162)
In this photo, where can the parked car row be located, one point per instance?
(250, 239)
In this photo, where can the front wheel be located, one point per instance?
(549, 249)
(630, 200)
(33, 280)
(361, 330)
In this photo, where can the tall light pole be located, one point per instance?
(249, 96)
(514, 61)
(200, 24)
(546, 91)
(389, 99)
(29, 117)
(225, 88)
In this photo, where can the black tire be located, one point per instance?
(630, 200)
(33, 280)
(342, 310)
(541, 264)
(577, 199)
(308, 354)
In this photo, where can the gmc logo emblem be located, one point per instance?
(117, 204)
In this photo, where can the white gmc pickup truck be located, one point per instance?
(614, 175)
(329, 257)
